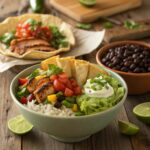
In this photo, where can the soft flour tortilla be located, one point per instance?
(79, 69)
(48, 20)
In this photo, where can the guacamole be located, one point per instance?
(100, 93)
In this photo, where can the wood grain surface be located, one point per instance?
(102, 8)
(107, 139)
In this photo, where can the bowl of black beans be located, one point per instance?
(130, 59)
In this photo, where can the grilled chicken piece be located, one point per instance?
(31, 85)
(42, 92)
(41, 82)
(40, 48)
(21, 46)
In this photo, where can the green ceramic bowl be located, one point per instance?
(67, 129)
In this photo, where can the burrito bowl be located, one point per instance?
(67, 98)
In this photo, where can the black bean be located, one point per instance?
(148, 69)
(141, 56)
(136, 61)
(60, 98)
(57, 104)
(127, 63)
(135, 55)
(104, 60)
(145, 52)
(132, 66)
(136, 70)
(124, 69)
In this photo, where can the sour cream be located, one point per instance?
(104, 92)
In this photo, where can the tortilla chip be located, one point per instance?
(52, 60)
(81, 71)
(65, 64)
(94, 70)
(10, 25)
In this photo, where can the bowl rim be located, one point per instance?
(113, 44)
(119, 104)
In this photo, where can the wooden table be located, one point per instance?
(107, 139)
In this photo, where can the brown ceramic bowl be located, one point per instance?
(138, 83)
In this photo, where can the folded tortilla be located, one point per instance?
(10, 24)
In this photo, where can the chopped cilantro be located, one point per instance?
(7, 38)
(130, 24)
(107, 25)
(85, 26)
(53, 69)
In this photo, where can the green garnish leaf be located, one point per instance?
(33, 23)
(108, 25)
(22, 92)
(34, 74)
(46, 102)
(130, 24)
(71, 99)
(67, 104)
(58, 40)
(85, 26)
(7, 38)
(53, 69)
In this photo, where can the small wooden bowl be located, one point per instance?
(138, 83)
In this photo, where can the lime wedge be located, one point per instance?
(19, 125)
(142, 111)
(128, 128)
(88, 2)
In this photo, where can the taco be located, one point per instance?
(35, 36)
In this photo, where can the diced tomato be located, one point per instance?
(25, 26)
(47, 32)
(73, 82)
(53, 77)
(23, 100)
(69, 85)
(58, 86)
(77, 90)
(68, 92)
(30, 97)
(22, 81)
(63, 75)
(63, 80)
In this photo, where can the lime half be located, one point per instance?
(142, 111)
(88, 2)
(128, 128)
(19, 125)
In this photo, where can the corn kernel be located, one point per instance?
(75, 108)
(52, 98)
(40, 77)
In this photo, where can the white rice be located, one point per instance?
(50, 110)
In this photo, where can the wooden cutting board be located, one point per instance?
(75, 10)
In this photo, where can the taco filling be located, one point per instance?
(58, 88)
(32, 35)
